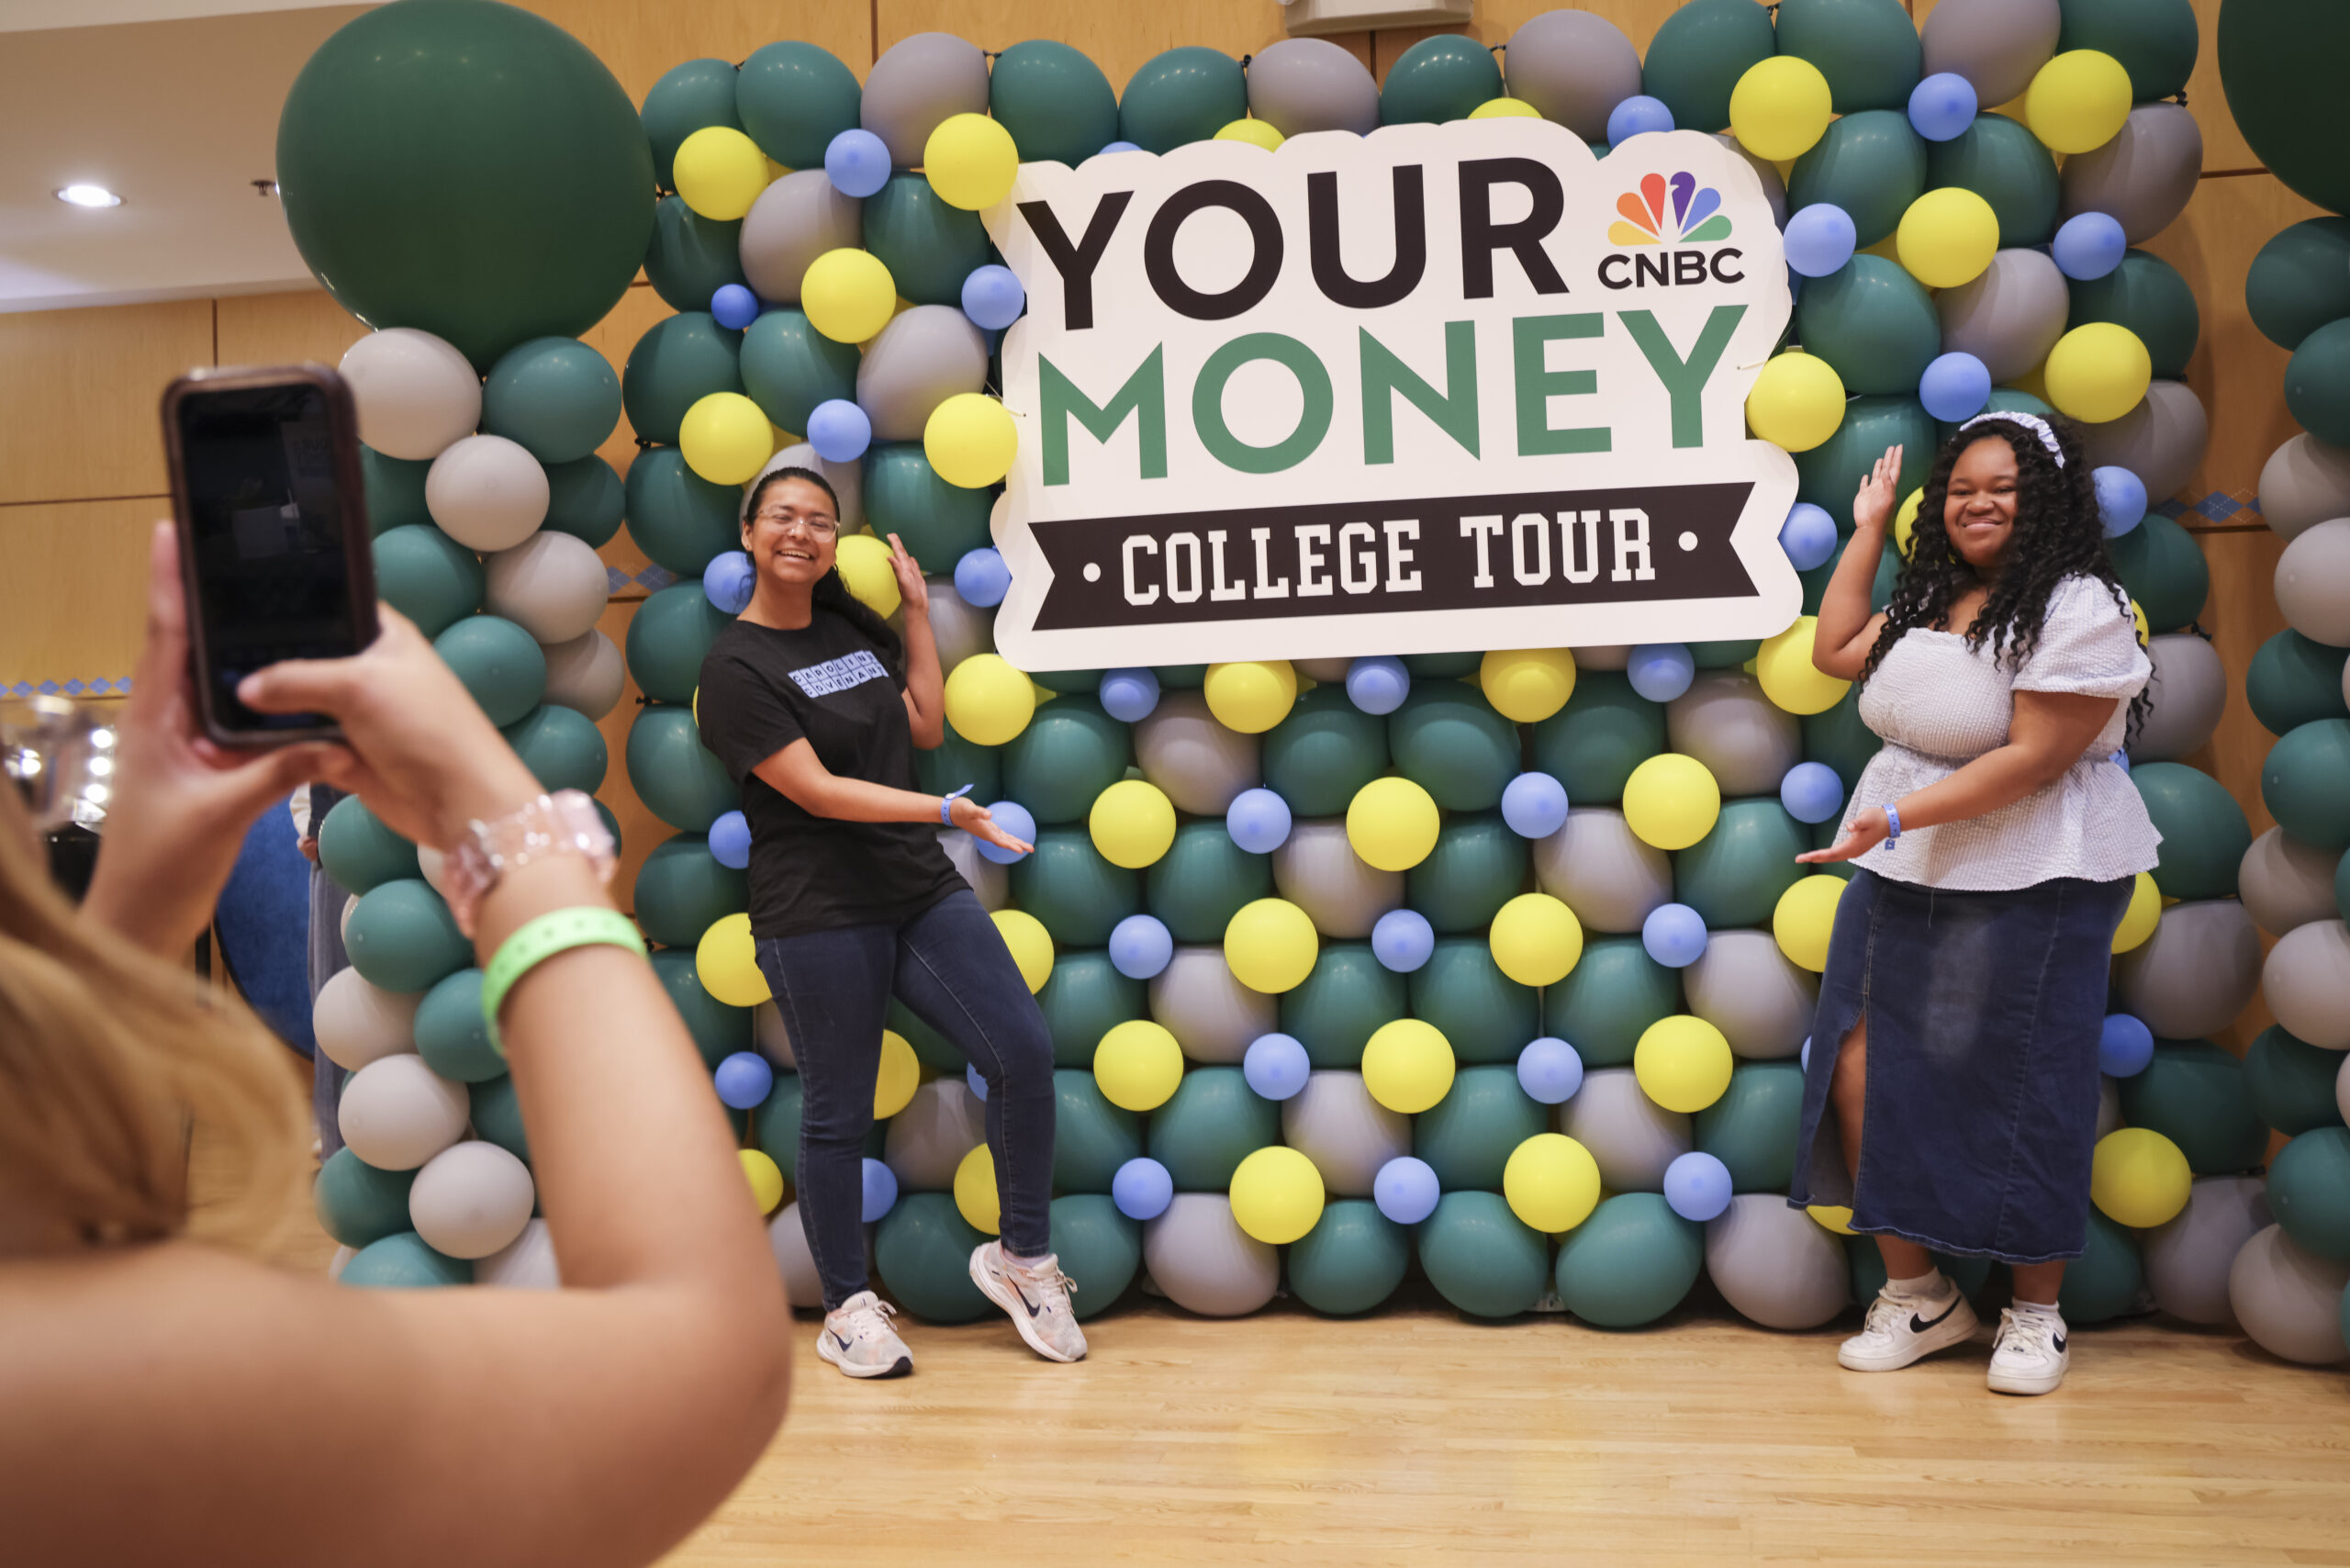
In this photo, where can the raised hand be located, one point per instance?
(912, 586)
(1873, 506)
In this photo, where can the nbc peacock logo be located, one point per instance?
(1673, 215)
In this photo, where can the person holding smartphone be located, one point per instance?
(815, 706)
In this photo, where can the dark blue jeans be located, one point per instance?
(950, 966)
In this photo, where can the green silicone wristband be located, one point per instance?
(589, 925)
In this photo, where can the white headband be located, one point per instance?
(2031, 422)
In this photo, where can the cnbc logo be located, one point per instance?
(1663, 224)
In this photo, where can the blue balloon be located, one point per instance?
(1276, 1066)
(734, 307)
(1803, 1058)
(1955, 387)
(857, 162)
(2090, 246)
(975, 1084)
(1378, 684)
(744, 1079)
(2121, 759)
(2121, 499)
(727, 580)
(1660, 671)
(1406, 1190)
(1141, 1188)
(1812, 791)
(1119, 147)
(981, 578)
(2124, 1046)
(1535, 805)
(1941, 106)
(1130, 695)
(839, 431)
(1808, 536)
(881, 1191)
(1549, 1071)
(1141, 946)
(1258, 821)
(1634, 115)
(730, 841)
(1820, 238)
(1674, 936)
(992, 297)
(1696, 1186)
(1016, 820)
(1403, 940)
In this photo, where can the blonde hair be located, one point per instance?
(111, 1058)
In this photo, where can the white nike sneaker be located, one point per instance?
(2029, 1356)
(857, 1338)
(1036, 1300)
(1903, 1328)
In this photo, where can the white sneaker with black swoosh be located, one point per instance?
(857, 1338)
(2029, 1356)
(1036, 1299)
(1902, 1328)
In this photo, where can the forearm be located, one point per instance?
(925, 687)
(1996, 779)
(1844, 607)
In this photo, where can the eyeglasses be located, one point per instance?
(817, 527)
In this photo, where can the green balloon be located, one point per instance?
(1867, 48)
(719, 1030)
(1184, 95)
(2309, 1190)
(585, 499)
(929, 247)
(395, 492)
(678, 518)
(1478, 865)
(1608, 1000)
(1438, 79)
(556, 397)
(691, 257)
(1084, 999)
(2342, 887)
(611, 825)
(2194, 1094)
(794, 99)
(682, 891)
(1069, 753)
(2153, 39)
(2292, 1082)
(1351, 1260)
(1446, 739)
(450, 1034)
(2147, 295)
(402, 1261)
(1440, 666)
(789, 367)
(562, 747)
(935, 1052)
(1816, 581)
(1480, 1257)
(668, 638)
(1069, 682)
(1631, 1262)
(954, 762)
(688, 98)
(1731, 655)
(674, 774)
(1483, 1013)
(1099, 1249)
(1698, 55)
(1183, 678)
(1055, 102)
(496, 1115)
(2301, 783)
(1325, 750)
(1873, 165)
(1201, 883)
(1212, 1122)
(2317, 384)
(2293, 680)
(1606, 731)
(1753, 1128)
(1873, 322)
(904, 496)
(358, 1205)
(2106, 1281)
(1830, 475)
(1468, 1136)
(2008, 166)
(2300, 281)
(922, 1250)
(1070, 886)
(402, 937)
(2204, 831)
(359, 852)
(776, 1125)
(2004, 400)
(427, 577)
(680, 360)
(1092, 1137)
(500, 664)
(1341, 1003)
(1735, 874)
(2159, 565)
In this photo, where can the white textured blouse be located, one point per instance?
(1939, 704)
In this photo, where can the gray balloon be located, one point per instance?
(1775, 188)
(2008, 318)
(2143, 177)
(1774, 1264)
(923, 357)
(1323, 672)
(2196, 972)
(1344, 895)
(1573, 68)
(991, 882)
(2304, 482)
(847, 480)
(1744, 986)
(1998, 45)
(2187, 1259)
(1334, 1122)
(928, 1141)
(1200, 1257)
(2289, 1299)
(2187, 695)
(1631, 1136)
(2313, 583)
(1197, 998)
(961, 627)
(2307, 982)
(917, 83)
(1604, 655)
(1598, 868)
(1302, 85)
(2161, 440)
(2284, 884)
(2109, 1106)
(1200, 765)
(1746, 741)
(796, 219)
(789, 1242)
(2342, 1090)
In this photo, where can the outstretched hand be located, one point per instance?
(1868, 830)
(913, 588)
(977, 821)
(1873, 506)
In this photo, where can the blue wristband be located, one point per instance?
(946, 805)
(1893, 820)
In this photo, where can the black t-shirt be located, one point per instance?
(763, 688)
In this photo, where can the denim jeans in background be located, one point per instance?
(949, 966)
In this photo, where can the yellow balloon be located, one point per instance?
(1682, 1062)
(1138, 1065)
(725, 439)
(2099, 372)
(1254, 132)
(1804, 919)
(1251, 697)
(1831, 1217)
(988, 702)
(896, 1078)
(1671, 801)
(848, 295)
(1269, 945)
(720, 172)
(764, 1176)
(864, 563)
(1551, 1182)
(1031, 945)
(1408, 1065)
(970, 441)
(2138, 619)
(1781, 107)
(1504, 108)
(1905, 522)
(1133, 823)
(1527, 685)
(2079, 101)
(1392, 824)
(1948, 237)
(975, 1195)
(2138, 1178)
(1276, 1192)
(727, 959)
(1797, 401)
(2145, 913)
(1789, 677)
(1536, 939)
(971, 161)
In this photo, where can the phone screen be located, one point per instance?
(266, 530)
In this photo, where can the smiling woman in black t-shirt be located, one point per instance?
(815, 706)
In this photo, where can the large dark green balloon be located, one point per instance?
(1752, 1128)
(403, 1262)
(1468, 1136)
(776, 1125)
(427, 577)
(1631, 1262)
(678, 518)
(467, 168)
(2293, 680)
(678, 780)
(2194, 1094)
(1873, 165)
(905, 496)
(402, 937)
(1067, 884)
(2147, 295)
(1069, 753)
(922, 1250)
(1480, 1257)
(2204, 831)
(1481, 1012)
(2301, 782)
(1608, 1000)
(2162, 569)
(1351, 1260)
(1593, 743)
(667, 639)
(1325, 749)
(1872, 321)
(2106, 1280)
(1203, 880)
(955, 762)
(2008, 166)
(1735, 874)
(2309, 1190)
(1349, 995)
(794, 99)
(1092, 1137)
(2280, 62)
(1055, 101)
(1084, 999)
(395, 492)
(562, 747)
(2292, 1082)
(1867, 48)
(2317, 384)
(677, 363)
(452, 1036)
(498, 1116)
(789, 367)
(358, 851)
(691, 257)
(682, 891)
(1815, 581)
(2153, 39)
(719, 1030)
(2300, 281)
(1184, 95)
(499, 663)
(1478, 865)
(1441, 667)
(1438, 79)
(1446, 739)
(929, 247)
(688, 98)
(1212, 1122)
(1698, 55)
(585, 499)
(1100, 1251)
(357, 1203)
(1830, 475)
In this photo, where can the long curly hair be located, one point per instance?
(831, 592)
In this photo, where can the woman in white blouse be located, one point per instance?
(1996, 845)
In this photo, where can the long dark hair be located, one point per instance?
(832, 590)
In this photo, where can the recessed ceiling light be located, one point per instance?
(89, 196)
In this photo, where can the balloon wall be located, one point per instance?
(1497, 967)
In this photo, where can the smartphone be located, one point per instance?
(274, 537)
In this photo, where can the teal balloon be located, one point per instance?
(1069, 682)
(2292, 1082)
(2204, 831)
(1867, 48)
(585, 499)
(1326, 750)
(922, 1250)
(669, 636)
(1730, 654)
(1631, 1262)
(1606, 731)
(1873, 165)
(357, 1203)
(1099, 1249)
(2293, 680)
(358, 851)
(2309, 1190)
(1478, 865)
(688, 98)
(1341, 1003)
(429, 153)
(1608, 1000)
(718, 1030)
(1084, 999)
(676, 777)
(2008, 166)
(678, 518)
(1830, 475)
(403, 1262)
(1069, 753)
(789, 367)
(793, 99)
(1468, 1136)
(2300, 782)
(1735, 874)
(1181, 677)
(1203, 880)
(1438, 79)
(1753, 1128)
(2159, 565)
(395, 492)
(427, 577)
(691, 257)
(1212, 1122)
(1075, 892)
(954, 762)
(1485, 1014)
(936, 1053)
(929, 247)
(776, 1125)
(1816, 581)
(450, 1034)
(1698, 55)
(1184, 95)
(1480, 1257)
(2301, 280)
(2004, 400)
(1055, 102)
(1092, 1137)
(562, 747)
(2147, 295)
(2317, 384)
(680, 360)
(904, 496)
(1873, 323)
(1351, 1260)
(1446, 739)
(2155, 40)
(2195, 1094)
(682, 891)
(1837, 737)
(2106, 1279)
(1441, 667)
(402, 937)
(496, 1114)
(556, 397)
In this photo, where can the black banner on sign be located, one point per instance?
(1565, 547)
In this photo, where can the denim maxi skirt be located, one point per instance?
(1984, 1014)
